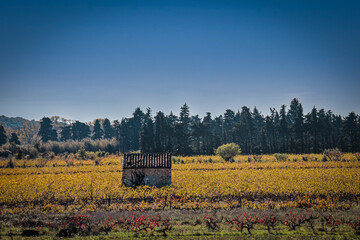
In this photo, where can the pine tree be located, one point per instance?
(218, 127)
(3, 137)
(276, 120)
(295, 119)
(244, 131)
(270, 133)
(123, 134)
(258, 121)
(65, 133)
(171, 140)
(322, 129)
(80, 131)
(108, 129)
(264, 144)
(208, 134)
(46, 132)
(185, 116)
(117, 130)
(97, 132)
(311, 123)
(285, 132)
(197, 131)
(228, 125)
(147, 137)
(292, 113)
(283, 129)
(161, 132)
(328, 124)
(134, 128)
(147, 115)
(182, 132)
(298, 130)
(349, 131)
(336, 131)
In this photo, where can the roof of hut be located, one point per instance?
(147, 161)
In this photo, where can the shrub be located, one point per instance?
(176, 160)
(10, 164)
(106, 227)
(19, 154)
(293, 220)
(100, 154)
(76, 224)
(41, 162)
(281, 157)
(91, 155)
(144, 224)
(243, 221)
(51, 155)
(329, 221)
(33, 152)
(355, 225)
(257, 158)
(81, 153)
(333, 154)
(55, 148)
(228, 151)
(69, 162)
(212, 222)
(269, 221)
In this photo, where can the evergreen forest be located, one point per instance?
(288, 130)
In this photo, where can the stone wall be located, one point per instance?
(158, 177)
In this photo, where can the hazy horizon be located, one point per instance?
(176, 112)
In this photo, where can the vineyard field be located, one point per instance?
(197, 185)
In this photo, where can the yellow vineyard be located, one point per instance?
(195, 185)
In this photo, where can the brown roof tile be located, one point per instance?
(147, 160)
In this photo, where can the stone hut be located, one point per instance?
(146, 169)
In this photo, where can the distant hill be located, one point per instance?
(15, 122)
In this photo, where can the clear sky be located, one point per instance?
(93, 59)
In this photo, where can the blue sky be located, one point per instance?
(93, 59)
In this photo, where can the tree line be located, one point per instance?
(286, 131)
